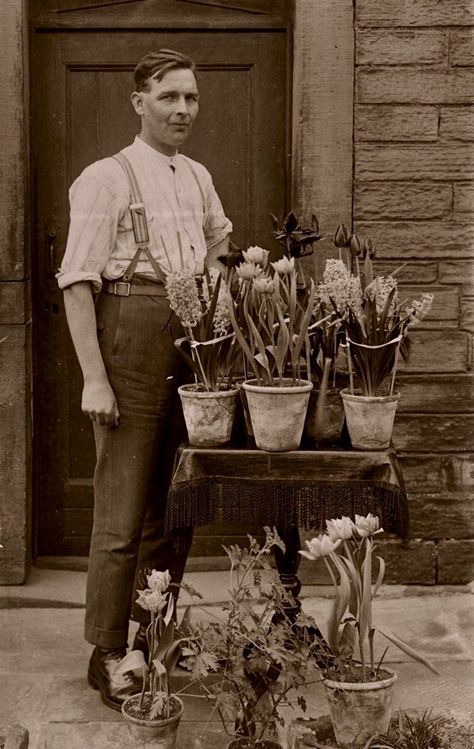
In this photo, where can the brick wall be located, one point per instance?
(414, 195)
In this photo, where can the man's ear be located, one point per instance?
(137, 102)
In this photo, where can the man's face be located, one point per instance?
(168, 109)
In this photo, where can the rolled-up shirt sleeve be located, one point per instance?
(216, 225)
(95, 215)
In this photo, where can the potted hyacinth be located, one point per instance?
(154, 714)
(376, 324)
(270, 318)
(252, 659)
(208, 347)
(325, 417)
(358, 687)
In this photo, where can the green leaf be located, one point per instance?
(160, 669)
(407, 649)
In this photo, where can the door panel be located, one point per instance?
(81, 84)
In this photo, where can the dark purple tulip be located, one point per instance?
(342, 236)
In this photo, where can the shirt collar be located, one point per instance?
(159, 157)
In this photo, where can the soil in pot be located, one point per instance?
(133, 709)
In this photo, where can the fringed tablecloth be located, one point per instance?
(241, 486)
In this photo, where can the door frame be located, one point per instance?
(322, 113)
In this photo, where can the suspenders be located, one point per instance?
(139, 223)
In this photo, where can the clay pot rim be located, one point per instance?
(363, 686)
(304, 386)
(189, 391)
(359, 398)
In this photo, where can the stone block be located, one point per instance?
(433, 432)
(387, 47)
(428, 474)
(323, 106)
(410, 85)
(412, 273)
(467, 314)
(14, 455)
(411, 563)
(434, 351)
(393, 13)
(457, 123)
(436, 394)
(13, 305)
(444, 161)
(461, 47)
(446, 302)
(402, 200)
(428, 240)
(437, 516)
(461, 272)
(382, 122)
(455, 562)
(463, 199)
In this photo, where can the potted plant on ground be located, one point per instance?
(358, 687)
(252, 657)
(376, 327)
(270, 319)
(154, 714)
(201, 304)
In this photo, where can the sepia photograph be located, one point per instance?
(236, 387)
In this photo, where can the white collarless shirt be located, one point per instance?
(179, 199)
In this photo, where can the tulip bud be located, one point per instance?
(368, 248)
(355, 245)
(342, 236)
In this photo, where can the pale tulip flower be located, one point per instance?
(284, 266)
(248, 271)
(264, 285)
(152, 600)
(256, 255)
(342, 528)
(320, 547)
(159, 581)
(367, 526)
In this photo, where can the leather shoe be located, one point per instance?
(114, 688)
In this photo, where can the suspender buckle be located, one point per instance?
(121, 288)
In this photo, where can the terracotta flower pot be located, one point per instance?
(277, 413)
(359, 710)
(209, 416)
(154, 734)
(370, 419)
(329, 427)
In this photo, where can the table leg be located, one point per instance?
(287, 564)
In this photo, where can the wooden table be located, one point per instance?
(301, 489)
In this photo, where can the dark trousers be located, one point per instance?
(134, 463)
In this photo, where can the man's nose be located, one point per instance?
(182, 106)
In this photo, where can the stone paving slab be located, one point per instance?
(104, 735)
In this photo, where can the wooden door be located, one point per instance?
(81, 82)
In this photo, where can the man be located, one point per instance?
(133, 218)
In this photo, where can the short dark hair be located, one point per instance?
(157, 64)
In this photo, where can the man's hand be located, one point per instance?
(98, 402)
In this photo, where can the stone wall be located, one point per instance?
(414, 195)
(15, 433)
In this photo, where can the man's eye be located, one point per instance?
(192, 97)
